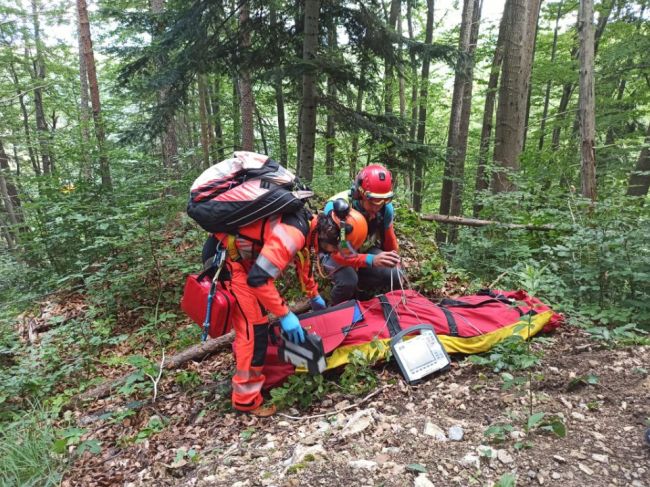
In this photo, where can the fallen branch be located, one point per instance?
(197, 352)
(473, 222)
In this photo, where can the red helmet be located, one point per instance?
(375, 182)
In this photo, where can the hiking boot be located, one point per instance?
(264, 411)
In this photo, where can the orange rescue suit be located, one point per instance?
(256, 257)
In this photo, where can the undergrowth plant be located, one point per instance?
(27, 454)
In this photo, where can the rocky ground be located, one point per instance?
(430, 434)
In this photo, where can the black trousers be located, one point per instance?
(349, 283)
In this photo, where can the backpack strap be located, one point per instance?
(390, 315)
(451, 321)
(499, 299)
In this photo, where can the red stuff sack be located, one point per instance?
(195, 304)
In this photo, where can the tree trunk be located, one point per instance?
(568, 88)
(547, 93)
(39, 81)
(84, 110)
(402, 80)
(203, 117)
(245, 85)
(414, 75)
(482, 177)
(513, 91)
(169, 140)
(260, 124)
(8, 192)
(236, 115)
(395, 6)
(587, 109)
(354, 159)
(418, 184)
(330, 128)
(25, 116)
(310, 49)
(640, 175)
(215, 95)
(282, 123)
(89, 58)
(458, 178)
(533, 42)
(210, 114)
(456, 140)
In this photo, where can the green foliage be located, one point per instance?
(506, 480)
(300, 390)
(188, 379)
(359, 377)
(511, 354)
(628, 334)
(154, 425)
(26, 451)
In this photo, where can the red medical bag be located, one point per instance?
(195, 303)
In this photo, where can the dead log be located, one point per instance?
(197, 352)
(473, 222)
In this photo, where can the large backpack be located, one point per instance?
(242, 190)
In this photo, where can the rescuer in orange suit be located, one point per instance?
(375, 264)
(256, 256)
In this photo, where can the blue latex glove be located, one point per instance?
(317, 303)
(291, 326)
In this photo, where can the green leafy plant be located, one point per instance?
(506, 480)
(299, 390)
(188, 379)
(359, 377)
(154, 425)
(513, 353)
(628, 334)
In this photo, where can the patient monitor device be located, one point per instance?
(420, 355)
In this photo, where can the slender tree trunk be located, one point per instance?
(210, 114)
(640, 176)
(25, 118)
(414, 75)
(309, 104)
(569, 88)
(587, 108)
(418, 184)
(203, 117)
(402, 80)
(89, 57)
(169, 140)
(395, 6)
(513, 91)
(456, 146)
(215, 95)
(8, 191)
(282, 123)
(611, 133)
(260, 124)
(458, 178)
(39, 73)
(330, 128)
(532, 48)
(245, 85)
(354, 159)
(84, 110)
(547, 93)
(236, 115)
(482, 177)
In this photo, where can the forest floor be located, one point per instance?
(398, 437)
